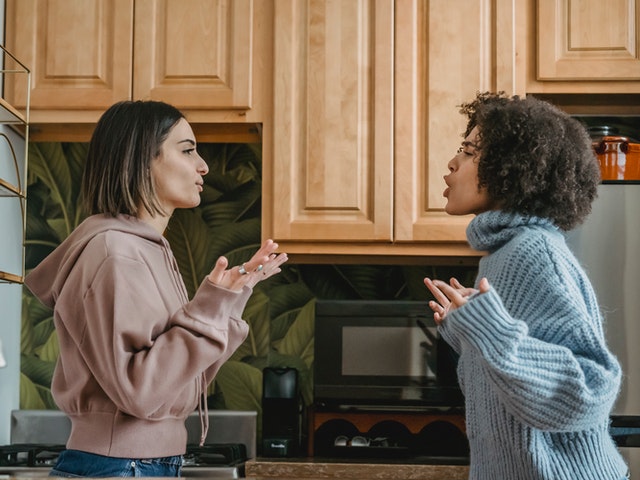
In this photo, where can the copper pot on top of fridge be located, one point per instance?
(619, 156)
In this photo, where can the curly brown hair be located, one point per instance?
(534, 158)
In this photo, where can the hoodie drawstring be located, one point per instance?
(204, 414)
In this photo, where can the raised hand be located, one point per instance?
(450, 296)
(264, 264)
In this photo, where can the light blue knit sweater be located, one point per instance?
(538, 379)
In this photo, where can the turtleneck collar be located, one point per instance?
(490, 230)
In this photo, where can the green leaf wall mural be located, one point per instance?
(281, 310)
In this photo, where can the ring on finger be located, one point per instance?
(242, 270)
(259, 269)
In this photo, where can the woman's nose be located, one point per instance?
(203, 168)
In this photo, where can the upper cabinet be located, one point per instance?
(79, 52)
(582, 47)
(366, 100)
(194, 54)
(333, 120)
(203, 56)
(356, 102)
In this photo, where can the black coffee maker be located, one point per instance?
(281, 412)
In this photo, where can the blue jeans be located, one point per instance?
(74, 463)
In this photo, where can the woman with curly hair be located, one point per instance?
(538, 378)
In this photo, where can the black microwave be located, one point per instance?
(381, 354)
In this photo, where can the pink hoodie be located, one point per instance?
(136, 355)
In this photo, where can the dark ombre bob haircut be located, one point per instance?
(117, 174)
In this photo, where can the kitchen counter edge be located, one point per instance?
(263, 468)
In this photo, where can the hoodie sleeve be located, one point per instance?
(238, 328)
(144, 352)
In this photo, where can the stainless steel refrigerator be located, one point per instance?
(608, 246)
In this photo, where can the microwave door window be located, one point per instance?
(402, 351)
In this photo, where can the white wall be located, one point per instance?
(10, 294)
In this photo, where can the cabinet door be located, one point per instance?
(195, 54)
(79, 52)
(445, 53)
(366, 119)
(588, 40)
(332, 172)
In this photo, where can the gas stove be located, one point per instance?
(210, 460)
(37, 437)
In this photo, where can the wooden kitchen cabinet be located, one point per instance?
(585, 47)
(365, 120)
(199, 55)
(79, 53)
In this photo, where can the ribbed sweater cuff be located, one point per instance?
(484, 323)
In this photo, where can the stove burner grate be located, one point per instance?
(29, 455)
(42, 455)
(215, 454)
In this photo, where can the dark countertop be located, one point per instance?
(315, 469)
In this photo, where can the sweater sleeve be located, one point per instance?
(144, 355)
(564, 382)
